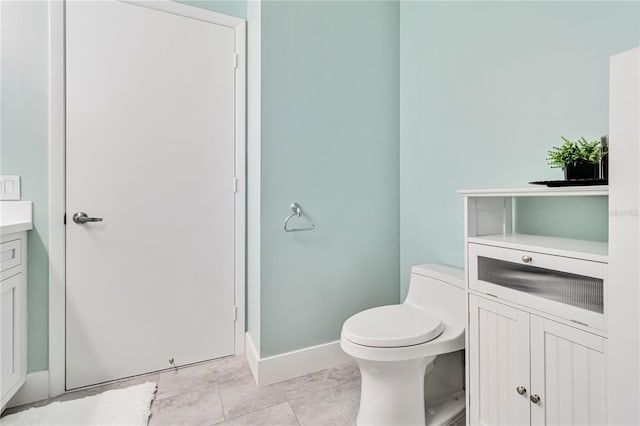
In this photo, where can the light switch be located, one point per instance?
(9, 187)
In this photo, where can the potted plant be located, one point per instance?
(579, 160)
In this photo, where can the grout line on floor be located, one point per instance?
(254, 411)
(294, 413)
(224, 416)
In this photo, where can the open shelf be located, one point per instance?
(579, 249)
(538, 191)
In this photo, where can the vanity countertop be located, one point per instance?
(15, 216)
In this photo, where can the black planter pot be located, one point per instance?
(604, 171)
(582, 171)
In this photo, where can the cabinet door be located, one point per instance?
(12, 336)
(568, 374)
(498, 364)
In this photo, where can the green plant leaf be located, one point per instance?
(575, 152)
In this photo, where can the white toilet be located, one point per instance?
(396, 345)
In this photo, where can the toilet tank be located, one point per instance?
(439, 290)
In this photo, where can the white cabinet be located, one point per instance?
(526, 369)
(624, 229)
(498, 357)
(13, 315)
(568, 374)
(537, 317)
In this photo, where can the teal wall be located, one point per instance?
(24, 149)
(585, 218)
(329, 141)
(485, 89)
(237, 8)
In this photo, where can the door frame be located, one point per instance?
(57, 172)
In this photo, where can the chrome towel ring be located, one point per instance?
(296, 211)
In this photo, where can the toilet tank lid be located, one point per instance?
(444, 273)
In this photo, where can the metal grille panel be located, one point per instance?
(572, 289)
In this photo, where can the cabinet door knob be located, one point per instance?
(535, 398)
(527, 259)
(521, 390)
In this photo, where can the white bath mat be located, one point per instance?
(129, 406)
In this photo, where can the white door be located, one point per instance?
(150, 149)
(567, 375)
(499, 364)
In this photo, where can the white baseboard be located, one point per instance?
(252, 356)
(36, 388)
(286, 366)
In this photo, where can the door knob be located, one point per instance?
(535, 398)
(81, 218)
(521, 390)
(527, 259)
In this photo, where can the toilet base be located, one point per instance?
(446, 411)
(392, 392)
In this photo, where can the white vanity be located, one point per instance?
(537, 320)
(15, 221)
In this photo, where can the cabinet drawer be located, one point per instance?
(10, 254)
(562, 286)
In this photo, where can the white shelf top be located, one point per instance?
(580, 249)
(538, 191)
(15, 216)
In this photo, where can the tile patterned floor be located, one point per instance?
(223, 392)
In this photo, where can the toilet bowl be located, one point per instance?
(396, 345)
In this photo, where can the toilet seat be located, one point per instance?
(392, 326)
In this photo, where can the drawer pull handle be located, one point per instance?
(535, 398)
(521, 390)
(8, 255)
(527, 259)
